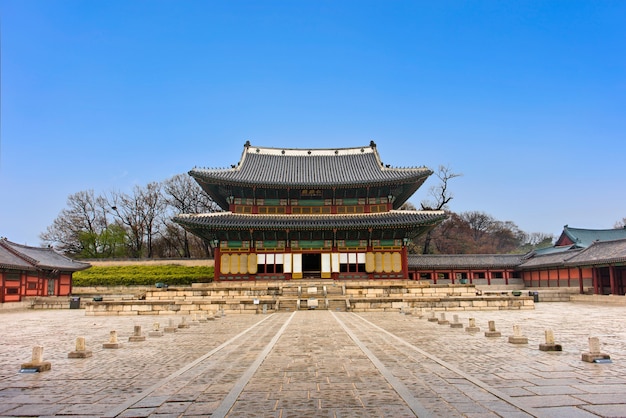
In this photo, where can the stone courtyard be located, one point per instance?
(316, 364)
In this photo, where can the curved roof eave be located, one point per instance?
(235, 221)
(419, 175)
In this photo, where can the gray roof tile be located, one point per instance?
(37, 258)
(433, 261)
(553, 259)
(10, 260)
(392, 219)
(310, 168)
(600, 253)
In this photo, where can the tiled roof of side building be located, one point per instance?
(9, 260)
(310, 168)
(433, 261)
(600, 253)
(583, 238)
(43, 258)
(229, 220)
(545, 260)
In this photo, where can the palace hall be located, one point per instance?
(310, 213)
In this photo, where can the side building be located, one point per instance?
(310, 213)
(592, 260)
(33, 271)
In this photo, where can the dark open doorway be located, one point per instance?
(312, 265)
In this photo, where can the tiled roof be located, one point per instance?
(600, 253)
(36, 258)
(547, 250)
(553, 259)
(582, 238)
(277, 167)
(9, 260)
(435, 261)
(237, 221)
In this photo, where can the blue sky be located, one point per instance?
(526, 99)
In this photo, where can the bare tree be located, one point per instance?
(80, 216)
(476, 233)
(130, 211)
(183, 195)
(480, 224)
(83, 228)
(153, 206)
(441, 196)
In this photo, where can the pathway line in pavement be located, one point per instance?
(413, 403)
(122, 407)
(234, 393)
(506, 398)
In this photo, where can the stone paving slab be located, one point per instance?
(315, 367)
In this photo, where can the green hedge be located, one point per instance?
(138, 275)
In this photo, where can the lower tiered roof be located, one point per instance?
(392, 224)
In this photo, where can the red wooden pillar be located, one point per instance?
(405, 262)
(488, 274)
(612, 280)
(569, 277)
(580, 280)
(217, 255)
(594, 278)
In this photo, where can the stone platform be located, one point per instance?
(289, 296)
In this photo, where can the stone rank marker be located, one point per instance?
(37, 364)
(81, 350)
(594, 355)
(517, 337)
(492, 330)
(472, 326)
(137, 336)
(455, 322)
(183, 323)
(432, 317)
(550, 345)
(170, 326)
(156, 330)
(113, 342)
(442, 319)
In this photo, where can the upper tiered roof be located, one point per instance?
(282, 167)
(293, 168)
